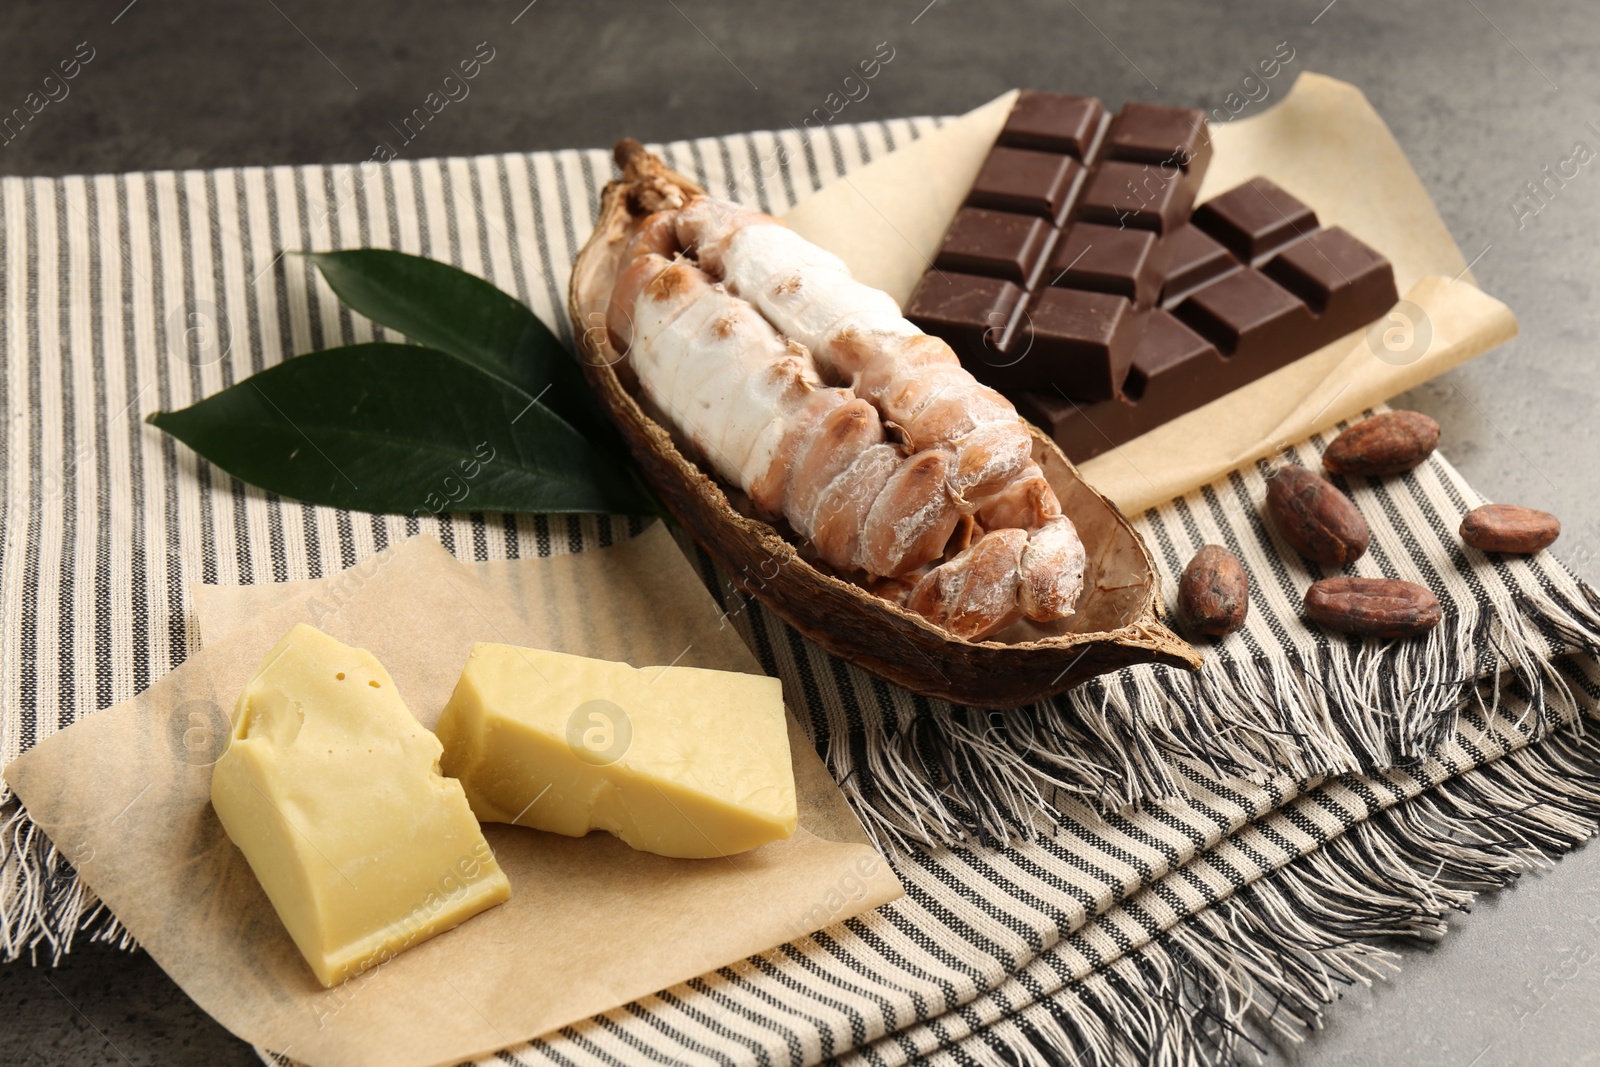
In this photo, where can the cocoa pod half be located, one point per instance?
(1313, 516)
(1214, 593)
(1508, 528)
(1372, 607)
(1391, 443)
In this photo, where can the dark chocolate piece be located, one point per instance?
(1255, 220)
(1235, 326)
(1174, 371)
(1229, 332)
(1246, 284)
(1336, 275)
(1036, 180)
(1146, 196)
(1152, 133)
(996, 243)
(1106, 259)
(1248, 316)
(1027, 182)
(1078, 342)
(1173, 365)
(1053, 122)
(1194, 258)
(972, 314)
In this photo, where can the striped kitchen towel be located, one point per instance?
(1129, 869)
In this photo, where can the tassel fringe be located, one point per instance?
(923, 773)
(1264, 965)
(44, 907)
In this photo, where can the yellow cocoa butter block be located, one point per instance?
(679, 761)
(332, 791)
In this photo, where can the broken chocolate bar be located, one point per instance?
(1223, 324)
(1077, 281)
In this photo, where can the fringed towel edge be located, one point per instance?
(1264, 964)
(954, 775)
(44, 905)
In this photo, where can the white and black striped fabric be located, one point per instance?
(1024, 869)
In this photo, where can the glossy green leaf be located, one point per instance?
(403, 429)
(443, 307)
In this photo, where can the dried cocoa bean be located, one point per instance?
(1391, 443)
(1372, 607)
(1313, 516)
(1214, 593)
(1508, 528)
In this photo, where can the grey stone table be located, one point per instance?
(1483, 94)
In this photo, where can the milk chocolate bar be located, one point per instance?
(1070, 210)
(1253, 284)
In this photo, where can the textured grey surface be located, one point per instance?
(1482, 94)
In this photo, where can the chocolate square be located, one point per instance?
(1194, 258)
(1250, 318)
(1027, 182)
(1172, 366)
(999, 244)
(1139, 195)
(1255, 220)
(1331, 270)
(1055, 122)
(970, 313)
(1078, 342)
(1151, 133)
(1108, 260)
(1174, 371)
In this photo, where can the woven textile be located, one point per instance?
(1042, 912)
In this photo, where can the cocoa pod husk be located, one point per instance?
(1511, 529)
(1391, 443)
(1312, 514)
(1116, 623)
(1372, 607)
(1214, 592)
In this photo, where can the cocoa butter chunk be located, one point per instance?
(1511, 529)
(332, 791)
(679, 761)
(1372, 607)
(1391, 443)
(1312, 514)
(1214, 592)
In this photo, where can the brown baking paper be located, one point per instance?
(1325, 144)
(591, 924)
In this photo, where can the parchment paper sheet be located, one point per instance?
(1324, 143)
(591, 924)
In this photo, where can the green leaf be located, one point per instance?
(442, 307)
(403, 429)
